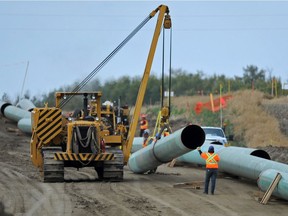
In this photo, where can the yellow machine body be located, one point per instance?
(97, 135)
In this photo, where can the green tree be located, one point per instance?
(253, 75)
(6, 98)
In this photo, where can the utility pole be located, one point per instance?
(21, 95)
(220, 98)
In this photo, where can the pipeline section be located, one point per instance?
(3, 105)
(266, 178)
(249, 163)
(166, 149)
(22, 117)
(25, 125)
(26, 104)
(137, 144)
(239, 162)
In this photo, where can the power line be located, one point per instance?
(133, 16)
(13, 64)
(124, 30)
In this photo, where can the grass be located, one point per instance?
(252, 123)
(253, 118)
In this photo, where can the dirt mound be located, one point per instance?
(247, 112)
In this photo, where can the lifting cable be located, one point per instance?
(170, 70)
(101, 65)
(163, 60)
(157, 126)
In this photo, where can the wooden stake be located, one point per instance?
(270, 189)
(172, 163)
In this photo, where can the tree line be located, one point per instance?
(184, 83)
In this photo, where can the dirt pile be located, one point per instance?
(247, 112)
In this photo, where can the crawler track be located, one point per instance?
(53, 170)
(112, 170)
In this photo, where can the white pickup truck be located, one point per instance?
(215, 135)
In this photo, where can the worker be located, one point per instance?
(166, 132)
(224, 126)
(147, 140)
(212, 160)
(143, 124)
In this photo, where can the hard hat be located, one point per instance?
(108, 103)
(158, 136)
(211, 149)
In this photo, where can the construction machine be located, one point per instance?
(96, 135)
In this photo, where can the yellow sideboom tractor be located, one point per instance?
(97, 135)
(91, 137)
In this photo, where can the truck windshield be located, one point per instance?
(214, 132)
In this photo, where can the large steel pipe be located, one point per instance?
(166, 149)
(266, 178)
(248, 163)
(237, 161)
(137, 144)
(15, 114)
(25, 125)
(3, 105)
(22, 117)
(26, 104)
(193, 157)
(250, 151)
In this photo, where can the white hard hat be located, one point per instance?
(106, 103)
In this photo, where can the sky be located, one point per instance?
(63, 41)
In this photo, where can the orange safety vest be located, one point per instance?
(166, 134)
(211, 159)
(143, 124)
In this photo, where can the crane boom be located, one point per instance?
(90, 139)
(163, 19)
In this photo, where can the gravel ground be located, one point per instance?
(22, 193)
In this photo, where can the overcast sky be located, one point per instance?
(65, 40)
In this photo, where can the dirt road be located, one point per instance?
(21, 192)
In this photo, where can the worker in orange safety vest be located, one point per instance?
(212, 160)
(166, 132)
(143, 124)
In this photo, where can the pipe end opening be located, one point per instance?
(261, 153)
(3, 107)
(193, 136)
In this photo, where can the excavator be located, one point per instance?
(97, 135)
